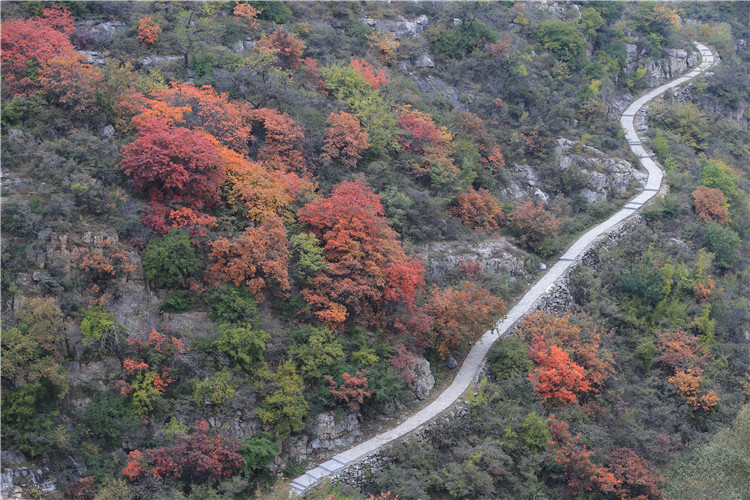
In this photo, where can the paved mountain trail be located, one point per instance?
(476, 357)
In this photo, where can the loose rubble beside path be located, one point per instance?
(476, 357)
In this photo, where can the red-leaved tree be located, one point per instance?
(28, 45)
(575, 458)
(345, 139)
(352, 391)
(636, 479)
(365, 260)
(432, 144)
(287, 47)
(174, 164)
(532, 222)
(198, 457)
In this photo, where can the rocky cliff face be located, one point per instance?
(497, 256)
(658, 71)
(602, 177)
(595, 175)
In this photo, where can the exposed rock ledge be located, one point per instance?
(497, 256)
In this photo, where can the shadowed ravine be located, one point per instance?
(476, 357)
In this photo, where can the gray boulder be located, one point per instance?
(424, 381)
(424, 61)
(12, 457)
(93, 57)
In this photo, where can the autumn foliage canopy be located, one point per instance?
(366, 264)
(478, 209)
(461, 316)
(711, 205)
(27, 46)
(345, 139)
(568, 364)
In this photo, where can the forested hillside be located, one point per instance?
(238, 237)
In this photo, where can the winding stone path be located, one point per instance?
(476, 357)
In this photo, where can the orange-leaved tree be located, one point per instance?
(258, 258)
(385, 45)
(148, 31)
(569, 362)
(278, 141)
(478, 209)
(71, 83)
(364, 258)
(28, 45)
(199, 108)
(247, 13)
(287, 47)
(253, 191)
(459, 317)
(685, 358)
(711, 205)
(372, 75)
(345, 139)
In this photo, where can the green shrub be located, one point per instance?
(724, 243)
(358, 29)
(107, 416)
(243, 345)
(232, 304)
(460, 40)
(102, 331)
(509, 358)
(277, 12)
(644, 281)
(178, 301)
(217, 390)
(309, 259)
(320, 350)
(535, 432)
(258, 451)
(286, 408)
(563, 40)
(170, 259)
(717, 174)
(28, 418)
